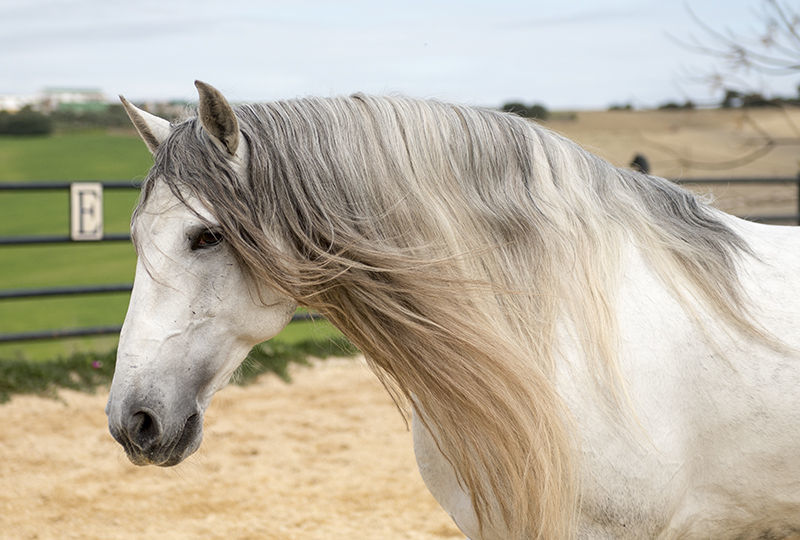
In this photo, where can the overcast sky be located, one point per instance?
(564, 54)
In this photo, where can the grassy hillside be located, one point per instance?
(93, 155)
(73, 156)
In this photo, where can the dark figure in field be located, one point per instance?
(640, 164)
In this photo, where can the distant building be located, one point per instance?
(14, 104)
(73, 99)
(57, 99)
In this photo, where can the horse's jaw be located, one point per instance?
(162, 387)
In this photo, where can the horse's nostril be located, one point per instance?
(143, 429)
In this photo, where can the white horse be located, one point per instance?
(588, 351)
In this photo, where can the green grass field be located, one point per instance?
(76, 156)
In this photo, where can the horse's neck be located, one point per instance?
(650, 314)
(707, 402)
(771, 279)
(653, 329)
(668, 350)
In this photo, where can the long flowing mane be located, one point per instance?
(448, 243)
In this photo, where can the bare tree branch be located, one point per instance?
(775, 50)
(769, 49)
(789, 20)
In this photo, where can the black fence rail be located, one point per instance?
(756, 181)
(12, 294)
(91, 331)
(64, 291)
(61, 186)
(57, 239)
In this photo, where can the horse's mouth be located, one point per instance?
(164, 453)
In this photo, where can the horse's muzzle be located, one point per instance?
(148, 440)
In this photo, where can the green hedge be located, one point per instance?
(87, 371)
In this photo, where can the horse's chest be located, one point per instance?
(441, 480)
(615, 504)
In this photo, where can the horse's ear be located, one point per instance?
(152, 129)
(217, 117)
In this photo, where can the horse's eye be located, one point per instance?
(206, 239)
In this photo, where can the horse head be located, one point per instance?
(193, 313)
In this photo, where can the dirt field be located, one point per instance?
(325, 457)
(701, 144)
(686, 144)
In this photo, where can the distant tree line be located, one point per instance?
(28, 121)
(25, 122)
(732, 99)
(675, 106)
(110, 116)
(536, 111)
(621, 107)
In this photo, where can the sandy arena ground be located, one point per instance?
(325, 457)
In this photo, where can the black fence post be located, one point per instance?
(798, 198)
